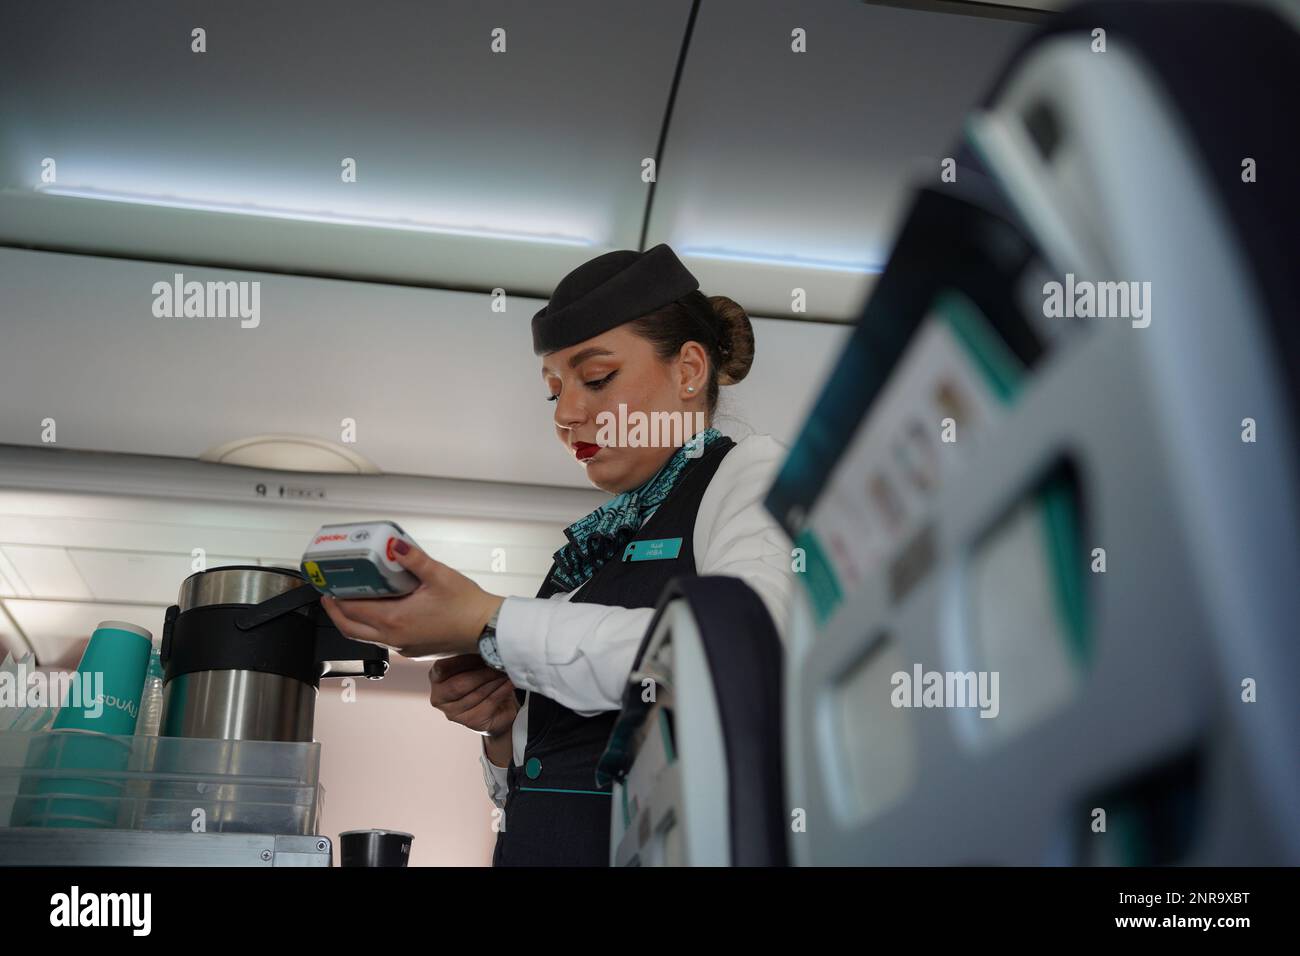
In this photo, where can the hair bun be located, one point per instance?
(735, 339)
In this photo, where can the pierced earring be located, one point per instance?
(690, 388)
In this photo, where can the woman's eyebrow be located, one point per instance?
(580, 357)
(585, 354)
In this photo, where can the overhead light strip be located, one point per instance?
(404, 225)
(296, 215)
(787, 262)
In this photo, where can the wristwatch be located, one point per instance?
(487, 642)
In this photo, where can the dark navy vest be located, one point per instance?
(555, 814)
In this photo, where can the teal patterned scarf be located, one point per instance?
(601, 535)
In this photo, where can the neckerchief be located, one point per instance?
(602, 534)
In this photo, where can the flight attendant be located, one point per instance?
(542, 679)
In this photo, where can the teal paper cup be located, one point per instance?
(110, 679)
(85, 757)
(80, 780)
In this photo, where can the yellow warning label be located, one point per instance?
(313, 572)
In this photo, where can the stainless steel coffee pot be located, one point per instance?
(243, 653)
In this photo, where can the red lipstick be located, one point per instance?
(584, 450)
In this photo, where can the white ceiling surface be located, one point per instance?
(437, 383)
(780, 170)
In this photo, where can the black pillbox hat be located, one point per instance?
(608, 291)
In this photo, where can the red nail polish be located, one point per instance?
(401, 547)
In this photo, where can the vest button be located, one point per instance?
(533, 768)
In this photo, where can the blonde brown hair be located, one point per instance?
(728, 338)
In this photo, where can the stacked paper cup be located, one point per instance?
(81, 764)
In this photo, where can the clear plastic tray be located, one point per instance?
(100, 781)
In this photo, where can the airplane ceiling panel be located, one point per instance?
(473, 168)
(47, 572)
(436, 383)
(11, 642)
(132, 576)
(7, 589)
(58, 630)
(785, 169)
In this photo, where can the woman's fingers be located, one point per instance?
(418, 563)
(350, 628)
(451, 678)
(503, 692)
(472, 695)
(444, 667)
(372, 612)
(482, 716)
(456, 692)
(477, 715)
(458, 683)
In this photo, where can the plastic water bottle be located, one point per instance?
(151, 698)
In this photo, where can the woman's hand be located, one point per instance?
(444, 615)
(469, 692)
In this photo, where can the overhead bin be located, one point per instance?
(474, 169)
(477, 171)
(787, 170)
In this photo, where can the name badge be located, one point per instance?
(657, 550)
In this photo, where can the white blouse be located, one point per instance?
(580, 655)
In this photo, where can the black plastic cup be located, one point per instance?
(374, 848)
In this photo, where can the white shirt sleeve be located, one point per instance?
(581, 654)
(736, 535)
(494, 777)
(576, 654)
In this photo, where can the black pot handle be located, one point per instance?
(344, 656)
(271, 608)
